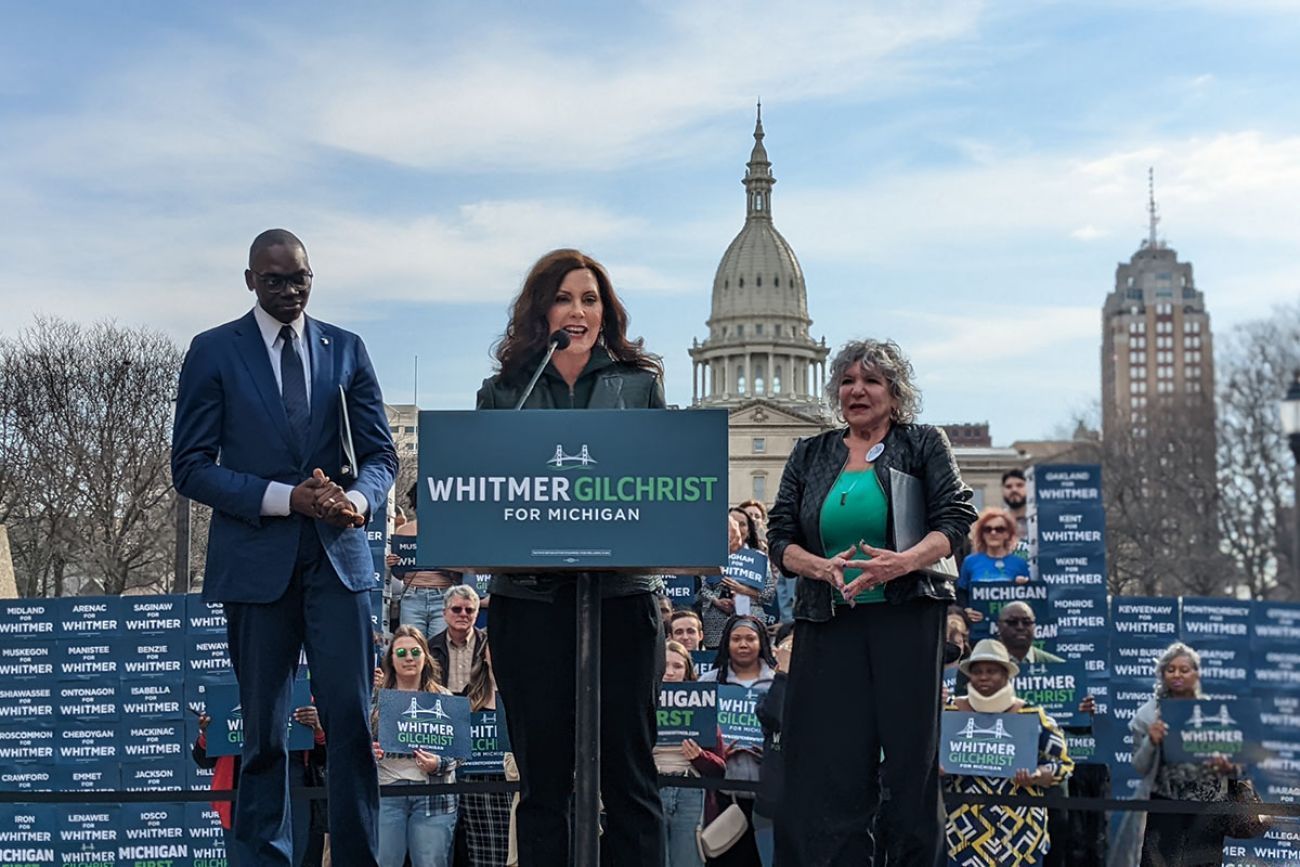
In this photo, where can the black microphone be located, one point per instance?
(557, 340)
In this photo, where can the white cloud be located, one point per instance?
(1088, 233)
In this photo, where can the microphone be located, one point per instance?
(558, 340)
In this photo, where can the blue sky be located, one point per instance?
(960, 176)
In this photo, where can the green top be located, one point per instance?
(855, 510)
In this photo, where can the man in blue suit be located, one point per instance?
(257, 438)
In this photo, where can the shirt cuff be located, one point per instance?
(275, 502)
(359, 502)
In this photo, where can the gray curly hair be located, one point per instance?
(1172, 652)
(885, 356)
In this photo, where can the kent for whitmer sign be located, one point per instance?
(1201, 729)
(427, 721)
(688, 710)
(573, 489)
(988, 744)
(738, 715)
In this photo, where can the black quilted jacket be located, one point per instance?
(917, 449)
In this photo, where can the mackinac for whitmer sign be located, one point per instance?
(565, 489)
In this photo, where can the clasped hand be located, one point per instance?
(882, 567)
(318, 497)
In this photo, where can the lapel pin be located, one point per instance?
(325, 341)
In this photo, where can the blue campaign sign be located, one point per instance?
(152, 739)
(205, 837)
(1057, 688)
(681, 590)
(377, 618)
(90, 832)
(153, 698)
(1133, 657)
(1091, 650)
(90, 740)
(153, 834)
(30, 835)
(26, 619)
(1276, 788)
(704, 661)
(28, 777)
(1149, 616)
(747, 567)
(151, 655)
(207, 654)
(1114, 741)
(1126, 698)
(203, 616)
(1070, 569)
(20, 702)
(1061, 528)
(226, 729)
(1225, 668)
(687, 710)
(482, 581)
(1276, 667)
(1279, 847)
(988, 744)
(89, 615)
(428, 721)
(90, 658)
(155, 775)
(1201, 729)
(88, 776)
(27, 742)
(89, 699)
(1064, 483)
(1082, 748)
(405, 549)
(197, 688)
(990, 597)
(27, 659)
(489, 743)
(1275, 622)
(738, 715)
(1208, 621)
(154, 614)
(573, 489)
(1077, 611)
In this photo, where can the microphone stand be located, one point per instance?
(553, 344)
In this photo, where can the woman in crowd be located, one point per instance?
(422, 826)
(683, 808)
(729, 590)
(531, 624)
(1176, 839)
(993, 543)
(484, 817)
(989, 835)
(870, 629)
(784, 586)
(745, 658)
(422, 598)
(717, 602)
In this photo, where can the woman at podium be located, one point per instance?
(568, 302)
(869, 616)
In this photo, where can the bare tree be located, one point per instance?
(1255, 364)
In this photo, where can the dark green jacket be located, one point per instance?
(603, 384)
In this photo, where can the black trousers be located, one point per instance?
(1182, 839)
(533, 651)
(866, 680)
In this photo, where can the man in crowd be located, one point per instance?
(1017, 629)
(687, 629)
(460, 645)
(1015, 496)
(257, 438)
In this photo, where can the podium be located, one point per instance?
(588, 492)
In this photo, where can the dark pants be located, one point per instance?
(533, 651)
(333, 623)
(1182, 839)
(865, 680)
(1079, 836)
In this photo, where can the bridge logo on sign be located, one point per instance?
(564, 461)
(1222, 719)
(415, 711)
(972, 733)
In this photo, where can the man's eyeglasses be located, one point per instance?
(460, 609)
(1019, 621)
(278, 282)
(401, 652)
(991, 530)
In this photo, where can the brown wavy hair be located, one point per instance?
(430, 673)
(527, 333)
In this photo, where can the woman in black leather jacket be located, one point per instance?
(531, 629)
(869, 622)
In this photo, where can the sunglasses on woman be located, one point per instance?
(401, 652)
(998, 529)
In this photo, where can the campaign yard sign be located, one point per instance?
(154, 615)
(1082, 748)
(1077, 610)
(681, 590)
(203, 616)
(704, 661)
(1079, 484)
(153, 834)
(573, 489)
(748, 568)
(89, 833)
(988, 744)
(152, 654)
(1279, 847)
(226, 729)
(27, 743)
(1092, 651)
(738, 715)
(1070, 569)
(428, 721)
(28, 835)
(1146, 616)
(88, 776)
(27, 618)
(688, 710)
(27, 659)
(90, 658)
(1225, 669)
(203, 833)
(1057, 528)
(1057, 688)
(1276, 787)
(207, 654)
(1276, 668)
(82, 741)
(489, 742)
(1126, 698)
(155, 775)
(1201, 729)
(89, 615)
(27, 777)
(990, 597)
(1275, 623)
(1211, 621)
(27, 701)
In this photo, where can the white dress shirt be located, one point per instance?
(275, 501)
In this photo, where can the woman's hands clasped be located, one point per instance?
(882, 567)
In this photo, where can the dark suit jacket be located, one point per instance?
(231, 439)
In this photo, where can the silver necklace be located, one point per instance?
(872, 454)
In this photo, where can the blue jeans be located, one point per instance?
(422, 608)
(683, 812)
(765, 838)
(415, 824)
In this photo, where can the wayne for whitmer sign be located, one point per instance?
(566, 489)
(988, 744)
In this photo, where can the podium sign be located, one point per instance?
(573, 489)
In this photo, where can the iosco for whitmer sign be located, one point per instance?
(564, 489)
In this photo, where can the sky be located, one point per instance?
(962, 177)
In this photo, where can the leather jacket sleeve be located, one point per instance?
(947, 497)
(783, 527)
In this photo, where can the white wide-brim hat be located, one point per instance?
(989, 650)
